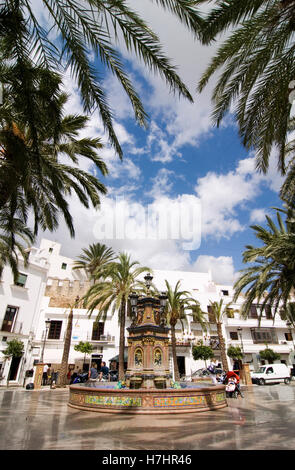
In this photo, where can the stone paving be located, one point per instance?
(263, 420)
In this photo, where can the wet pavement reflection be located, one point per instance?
(264, 419)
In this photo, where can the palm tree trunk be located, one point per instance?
(62, 379)
(222, 347)
(174, 356)
(122, 339)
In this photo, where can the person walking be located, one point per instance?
(93, 374)
(45, 376)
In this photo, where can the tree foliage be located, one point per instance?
(235, 352)
(270, 279)
(93, 28)
(256, 66)
(84, 347)
(269, 355)
(15, 348)
(202, 352)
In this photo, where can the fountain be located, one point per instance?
(149, 387)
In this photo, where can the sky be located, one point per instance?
(180, 165)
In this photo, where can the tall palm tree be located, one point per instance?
(113, 293)
(198, 314)
(43, 180)
(256, 64)
(271, 278)
(217, 311)
(95, 26)
(177, 303)
(94, 258)
(62, 378)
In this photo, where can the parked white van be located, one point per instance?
(271, 373)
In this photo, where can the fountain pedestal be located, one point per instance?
(148, 348)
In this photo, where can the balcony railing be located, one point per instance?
(105, 338)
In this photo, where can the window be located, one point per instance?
(211, 316)
(21, 280)
(288, 336)
(253, 311)
(9, 318)
(50, 250)
(55, 329)
(264, 335)
(266, 311)
(64, 266)
(97, 331)
(225, 292)
(233, 335)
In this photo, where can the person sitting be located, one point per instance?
(104, 372)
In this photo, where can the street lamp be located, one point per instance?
(47, 326)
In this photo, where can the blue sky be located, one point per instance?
(182, 157)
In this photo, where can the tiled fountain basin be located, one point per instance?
(105, 398)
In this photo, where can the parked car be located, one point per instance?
(271, 373)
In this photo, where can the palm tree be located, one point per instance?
(257, 66)
(177, 303)
(94, 27)
(15, 239)
(62, 378)
(217, 313)
(42, 181)
(288, 313)
(271, 278)
(198, 315)
(94, 259)
(113, 293)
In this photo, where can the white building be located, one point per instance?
(64, 284)
(20, 305)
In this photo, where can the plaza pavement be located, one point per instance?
(41, 419)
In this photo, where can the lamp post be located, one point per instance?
(47, 326)
(240, 336)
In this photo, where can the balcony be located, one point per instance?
(101, 339)
(13, 327)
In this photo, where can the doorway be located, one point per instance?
(96, 359)
(14, 368)
(181, 365)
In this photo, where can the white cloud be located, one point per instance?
(222, 268)
(257, 215)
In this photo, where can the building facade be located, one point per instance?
(51, 290)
